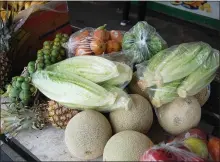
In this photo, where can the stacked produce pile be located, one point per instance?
(86, 96)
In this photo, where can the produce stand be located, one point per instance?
(62, 107)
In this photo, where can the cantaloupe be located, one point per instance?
(87, 134)
(203, 95)
(134, 88)
(138, 118)
(126, 146)
(180, 115)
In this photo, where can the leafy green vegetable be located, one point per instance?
(124, 77)
(183, 63)
(173, 63)
(71, 89)
(93, 68)
(123, 101)
(165, 94)
(201, 77)
(142, 42)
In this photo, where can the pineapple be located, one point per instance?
(16, 117)
(59, 116)
(6, 30)
(5, 69)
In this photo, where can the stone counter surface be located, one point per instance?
(47, 144)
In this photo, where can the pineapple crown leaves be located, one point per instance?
(6, 29)
(16, 117)
(13, 120)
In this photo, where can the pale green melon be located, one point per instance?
(126, 146)
(138, 118)
(87, 134)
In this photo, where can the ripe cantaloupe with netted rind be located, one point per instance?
(126, 146)
(87, 134)
(180, 115)
(134, 88)
(139, 118)
(203, 95)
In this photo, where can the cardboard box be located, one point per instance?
(40, 26)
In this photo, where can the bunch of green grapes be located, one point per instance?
(21, 90)
(52, 52)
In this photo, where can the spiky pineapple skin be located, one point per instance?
(59, 115)
(6, 31)
(5, 69)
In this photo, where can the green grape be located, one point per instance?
(20, 79)
(46, 57)
(25, 86)
(14, 78)
(65, 35)
(57, 44)
(46, 51)
(55, 47)
(47, 47)
(57, 40)
(21, 95)
(40, 68)
(46, 43)
(40, 65)
(32, 89)
(14, 83)
(39, 52)
(54, 53)
(18, 84)
(64, 40)
(58, 35)
(62, 52)
(25, 95)
(31, 70)
(40, 58)
(47, 61)
(53, 59)
(40, 62)
(27, 79)
(14, 92)
(31, 63)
